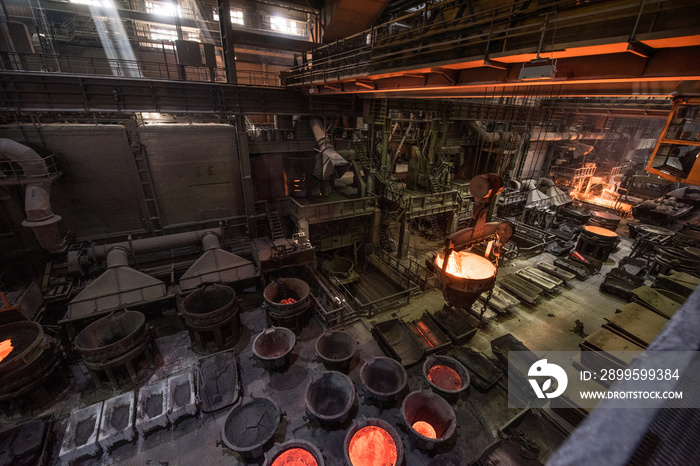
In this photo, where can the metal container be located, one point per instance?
(210, 305)
(286, 301)
(460, 291)
(32, 374)
(336, 350)
(373, 450)
(597, 241)
(451, 395)
(340, 267)
(285, 288)
(277, 452)
(604, 220)
(426, 407)
(273, 347)
(250, 425)
(383, 379)
(111, 336)
(330, 397)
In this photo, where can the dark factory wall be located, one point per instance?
(195, 172)
(194, 168)
(98, 194)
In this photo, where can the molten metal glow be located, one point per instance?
(5, 348)
(600, 231)
(425, 429)
(467, 265)
(445, 377)
(295, 457)
(372, 446)
(604, 202)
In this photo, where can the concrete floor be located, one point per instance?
(544, 327)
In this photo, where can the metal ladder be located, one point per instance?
(149, 192)
(276, 227)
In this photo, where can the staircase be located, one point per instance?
(363, 157)
(386, 240)
(437, 230)
(276, 227)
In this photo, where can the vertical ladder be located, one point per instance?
(276, 227)
(149, 192)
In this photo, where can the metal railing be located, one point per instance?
(445, 27)
(414, 273)
(330, 210)
(434, 203)
(131, 69)
(17, 172)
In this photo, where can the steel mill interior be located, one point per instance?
(311, 232)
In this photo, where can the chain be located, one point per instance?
(486, 302)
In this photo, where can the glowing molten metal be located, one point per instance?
(5, 348)
(372, 446)
(445, 377)
(600, 231)
(295, 457)
(467, 265)
(425, 429)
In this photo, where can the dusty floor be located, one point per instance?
(544, 327)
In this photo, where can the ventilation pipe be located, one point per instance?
(79, 260)
(539, 134)
(329, 164)
(37, 201)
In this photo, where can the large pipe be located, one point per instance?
(539, 134)
(37, 201)
(154, 244)
(329, 164)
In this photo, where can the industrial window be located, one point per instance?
(236, 16)
(163, 9)
(286, 26)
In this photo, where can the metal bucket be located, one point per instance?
(330, 397)
(273, 347)
(375, 449)
(449, 394)
(287, 453)
(209, 306)
(250, 425)
(111, 336)
(383, 379)
(336, 350)
(426, 408)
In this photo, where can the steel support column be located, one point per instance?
(404, 238)
(224, 7)
(246, 177)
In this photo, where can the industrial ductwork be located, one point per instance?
(539, 134)
(329, 164)
(79, 260)
(118, 287)
(37, 202)
(216, 266)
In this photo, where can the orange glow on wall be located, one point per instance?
(467, 265)
(295, 457)
(5, 348)
(445, 377)
(425, 429)
(372, 446)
